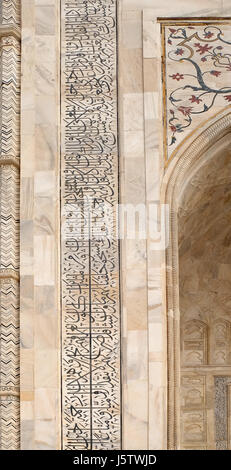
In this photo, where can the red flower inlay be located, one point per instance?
(179, 51)
(185, 110)
(215, 72)
(177, 76)
(172, 30)
(173, 128)
(208, 34)
(228, 97)
(204, 59)
(202, 49)
(195, 99)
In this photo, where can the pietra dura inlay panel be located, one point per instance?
(89, 254)
(196, 76)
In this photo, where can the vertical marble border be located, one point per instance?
(157, 358)
(89, 249)
(39, 265)
(10, 68)
(133, 251)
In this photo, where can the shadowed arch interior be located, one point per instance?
(196, 165)
(204, 237)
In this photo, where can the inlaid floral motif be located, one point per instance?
(197, 73)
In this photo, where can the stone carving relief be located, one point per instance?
(204, 390)
(90, 256)
(193, 411)
(196, 336)
(194, 343)
(9, 223)
(221, 342)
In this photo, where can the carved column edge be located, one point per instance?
(10, 58)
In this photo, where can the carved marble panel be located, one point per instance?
(193, 410)
(194, 426)
(193, 391)
(194, 338)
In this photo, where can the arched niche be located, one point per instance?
(205, 146)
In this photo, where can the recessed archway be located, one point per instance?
(179, 191)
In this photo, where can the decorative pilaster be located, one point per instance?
(9, 223)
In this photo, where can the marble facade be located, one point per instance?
(123, 344)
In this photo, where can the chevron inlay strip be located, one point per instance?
(10, 12)
(9, 224)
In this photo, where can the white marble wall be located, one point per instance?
(143, 269)
(40, 304)
(143, 293)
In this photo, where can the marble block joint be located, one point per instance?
(9, 223)
(90, 265)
